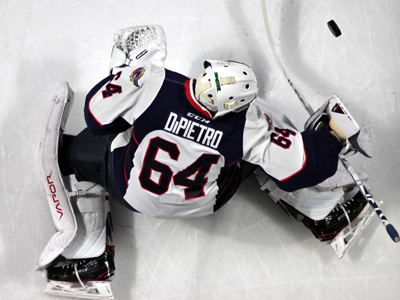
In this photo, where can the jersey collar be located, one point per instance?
(190, 95)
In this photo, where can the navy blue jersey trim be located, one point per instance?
(322, 161)
(175, 77)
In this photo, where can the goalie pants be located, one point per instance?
(89, 157)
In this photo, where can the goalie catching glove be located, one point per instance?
(136, 44)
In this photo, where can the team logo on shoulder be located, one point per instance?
(136, 75)
(269, 121)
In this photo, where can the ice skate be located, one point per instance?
(344, 239)
(82, 278)
(341, 227)
(327, 229)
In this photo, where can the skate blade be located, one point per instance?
(343, 242)
(94, 290)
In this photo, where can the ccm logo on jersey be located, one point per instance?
(136, 75)
(203, 120)
(53, 192)
(193, 131)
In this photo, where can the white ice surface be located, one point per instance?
(250, 249)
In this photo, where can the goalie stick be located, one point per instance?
(389, 227)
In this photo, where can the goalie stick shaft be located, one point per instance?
(271, 41)
(389, 227)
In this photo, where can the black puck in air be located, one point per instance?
(334, 28)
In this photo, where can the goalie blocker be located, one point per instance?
(334, 116)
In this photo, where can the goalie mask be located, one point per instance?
(226, 86)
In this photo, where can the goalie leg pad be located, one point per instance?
(357, 219)
(51, 177)
(311, 202)
(341, 180)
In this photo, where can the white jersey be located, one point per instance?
(171, 159)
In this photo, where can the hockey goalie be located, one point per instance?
(170, 146)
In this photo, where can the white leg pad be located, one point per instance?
(91, 208)
(341, 179)
(51, 178)
(312, 202)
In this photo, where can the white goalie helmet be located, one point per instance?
(226, 86)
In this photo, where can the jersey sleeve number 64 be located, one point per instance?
(281, 137)
(193, 177)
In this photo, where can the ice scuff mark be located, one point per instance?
(391, 100)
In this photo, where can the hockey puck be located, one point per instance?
(334, 28)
